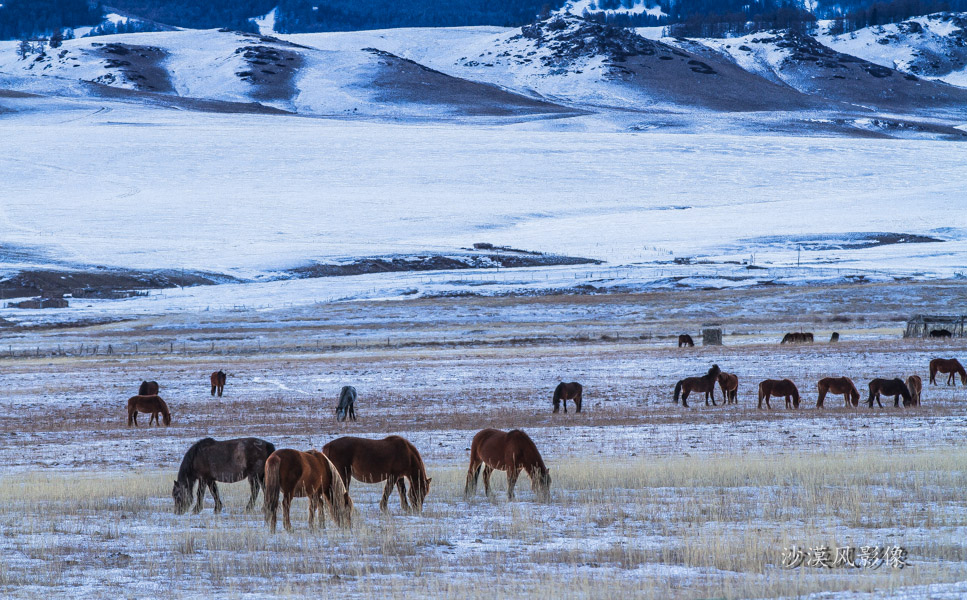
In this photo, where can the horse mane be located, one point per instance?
(558, 391)
(340, 504)
(185, 471)
(527, 441)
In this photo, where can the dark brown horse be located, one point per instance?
(568, 391)
(889, 387)
(941, 333)
(304, 475)
(391, 459)
(834, 338)
(951, 366)
(218, 382)
(838, 385)
(148, 388)
(797, 338)
(685, 340)
(705, 383)
(729, 383)
(148, 404)
(779, 387)
(208, 461)
(511, 451)
(915, 385)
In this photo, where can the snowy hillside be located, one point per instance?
(933, 46)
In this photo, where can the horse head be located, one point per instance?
(541, 484)
(181, 493)
(167, 418)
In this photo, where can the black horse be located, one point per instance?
(208, 461)
(941, 333)
(890, 387)
(347, 403)
(148, 388)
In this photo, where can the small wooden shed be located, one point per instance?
(711, 335)
(922, 325)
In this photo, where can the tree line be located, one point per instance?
(33, 18)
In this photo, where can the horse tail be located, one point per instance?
(340, 504)
(270, 503)
(678, 390)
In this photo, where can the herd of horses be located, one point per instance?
(324, 477)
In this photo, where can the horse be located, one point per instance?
(304, 475)
(148, 404)
(685, 340)
(941, 333)
(915, 385)
(834, 338)
(890, 387)
(347, 401)
(208, 461)
(148, 388)
(779, 387)
(510, 451)
(372, 461)
(705, 383)
(729, 383)
(951, 366)
(797, 338)
(565, 392)
(218, 382)
(838, 385)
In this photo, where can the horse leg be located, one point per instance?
(221, 389)
(253, 484)
(286, 504)
(401, 487)
(472, 473)
(769, 406)
(218, 501)
(565, 404)
(313, 505)
(822, 397)
(577, 403)
(200, 500)
(710, 394)
(486, 479)
(352, 412)
(512, 475)
(685, 392)
(390, 483)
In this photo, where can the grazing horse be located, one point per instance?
(797, 338)
(510, 451)
(941, 333)
(685, 340)
(392, 459)
(304, 475)
(729, 382)
(208, 461)
(148, 388)
(148, 404)
(838, 385)
(915, 385)
(779, 387)
(347, 402)
(951, 366)
(565, 392)
(705, 383)
(890, 387)
(218, 382)
(834, 338)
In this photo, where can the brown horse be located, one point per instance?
(729, 383)
(947, 365)
(834, 338)
(148, 388)
(838, 385)
(797, 338)
(510, 451)
(304, 475)
(218, 382)
(779, 387)
(565, 392)
(705, 383)
(208, 461)
(148, 404)
(685, 340)
(392, 459)
(890, 387)
(915, 385)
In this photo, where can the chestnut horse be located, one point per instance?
(304, 475)
(510, 451)
(148, 404)
(148, 388)
(947, 365)
(729, 383)
(565, 392)
(392, 459)
(915, 385)
(779, 387)
(890, 387)
(218, 382)
(208, 461)
(685, 340)
(838, 385)
(705, 383)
